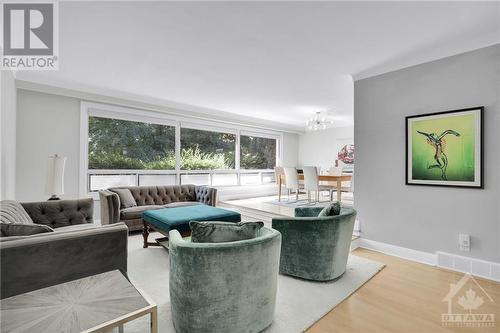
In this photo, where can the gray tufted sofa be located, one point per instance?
(151, 197)
(77, 248)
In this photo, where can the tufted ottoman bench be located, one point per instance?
(164, 220)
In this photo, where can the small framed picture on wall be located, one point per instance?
(445, 148)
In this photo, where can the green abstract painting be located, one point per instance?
(443, 148)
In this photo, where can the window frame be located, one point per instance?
(215, 129)
(93, 109)
(279, 141)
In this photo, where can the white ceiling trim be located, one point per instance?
(424, 57)
(93, 94)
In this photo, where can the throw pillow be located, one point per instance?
(219, 232)
(331, 210)
(126, 198)
(20, 229)
(12, 212)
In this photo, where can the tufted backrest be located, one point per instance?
(206, 195)
(61, 213)
(161, 195)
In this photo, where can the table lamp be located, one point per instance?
(55, 176)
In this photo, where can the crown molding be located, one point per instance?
(422, 57)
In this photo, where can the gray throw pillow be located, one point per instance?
(331, 210)
(20, 229)
(126, 198)
(220, 232)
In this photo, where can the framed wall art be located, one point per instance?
(445, 148)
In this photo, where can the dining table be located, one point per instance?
(338, 179)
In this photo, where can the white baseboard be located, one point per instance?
(477, 267)
(398, 251)
(355, 244)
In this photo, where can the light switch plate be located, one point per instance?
(464, 242)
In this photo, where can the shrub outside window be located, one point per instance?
(257, 152)
(207, 150)
(115, 144)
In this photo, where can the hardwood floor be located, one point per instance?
(404, 297)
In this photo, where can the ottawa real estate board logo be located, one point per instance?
(30, 35)
(468, 305)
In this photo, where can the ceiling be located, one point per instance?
(273, 61)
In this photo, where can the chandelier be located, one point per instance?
(318, 122)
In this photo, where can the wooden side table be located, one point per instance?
(96, 303)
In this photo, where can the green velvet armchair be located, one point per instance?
(224, 287)
(315, 248)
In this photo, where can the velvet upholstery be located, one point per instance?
(22, 229)
(217, 232)
(136, 212)
(161, 196)
(307, 211)
(331, 210)
(61, 213)
(315, 248)
(182, 204)
(126, 198)
(33, 262)
(110, 207)
(76, 248)
(224, 287)
(179, 217)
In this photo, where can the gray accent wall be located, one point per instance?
(421, 217)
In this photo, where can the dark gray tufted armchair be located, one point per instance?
(76, 248)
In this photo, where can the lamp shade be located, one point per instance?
(55, 175)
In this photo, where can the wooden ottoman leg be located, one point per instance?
(145, 234)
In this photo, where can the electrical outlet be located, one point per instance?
(464, 242)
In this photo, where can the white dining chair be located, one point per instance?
(279, 174)
(311, 183)
(292, 181)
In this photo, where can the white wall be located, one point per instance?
(46, 125)
(290, 149)
(419, 217)
(320, 148)
(7, 135)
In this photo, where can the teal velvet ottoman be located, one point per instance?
(178, 218)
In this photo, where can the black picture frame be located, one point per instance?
(479, 145)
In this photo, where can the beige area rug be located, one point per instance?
(298, 203)
(299, 303)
